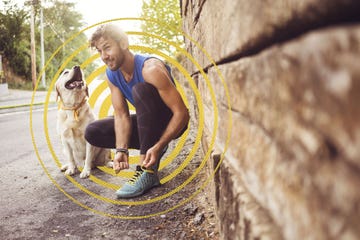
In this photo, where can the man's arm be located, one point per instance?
(155, 72)
(122, 127)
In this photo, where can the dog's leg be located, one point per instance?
(104, 158)
(109, 164)
(90, 155)
(108, 161)
(70, 167)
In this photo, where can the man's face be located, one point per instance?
(110, 52)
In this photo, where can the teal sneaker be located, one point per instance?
(142, 181)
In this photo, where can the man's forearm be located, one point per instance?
(176, 124)
(122, 131)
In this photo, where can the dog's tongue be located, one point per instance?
(73, 85)
(76, 84)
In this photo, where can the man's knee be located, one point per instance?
(90, 133)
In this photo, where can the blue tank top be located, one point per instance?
(116, 77)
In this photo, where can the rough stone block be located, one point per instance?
(295, 137)
(233, 29)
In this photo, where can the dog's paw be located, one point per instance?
(109, 164)
(70, 171)
(85, 173)
(64, 167)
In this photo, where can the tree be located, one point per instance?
(14, 42)
(61, 23)
(167, 13)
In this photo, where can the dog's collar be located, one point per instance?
(75, 108)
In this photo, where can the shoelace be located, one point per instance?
(148, 170)
(137, 174)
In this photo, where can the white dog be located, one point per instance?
(73, 116)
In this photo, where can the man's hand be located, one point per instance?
(121, 162)
(152, 154)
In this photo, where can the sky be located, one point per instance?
(95, 11)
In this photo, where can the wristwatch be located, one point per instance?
(123, 150)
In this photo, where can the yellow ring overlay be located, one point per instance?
(106, 105)
(125, 174)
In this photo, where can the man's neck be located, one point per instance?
(127, 69)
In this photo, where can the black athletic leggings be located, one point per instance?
(148, 124)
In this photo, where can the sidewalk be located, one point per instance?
(22, 98)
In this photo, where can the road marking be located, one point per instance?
(25, 111)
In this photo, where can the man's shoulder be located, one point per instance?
(152, 66)
(153, 63)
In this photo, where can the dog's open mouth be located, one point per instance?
(76, 81)
(71, 84)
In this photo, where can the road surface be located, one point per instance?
(39, 202)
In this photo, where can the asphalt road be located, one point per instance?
(38, 202)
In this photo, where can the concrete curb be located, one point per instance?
(24, 105)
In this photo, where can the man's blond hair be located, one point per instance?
(107, 31)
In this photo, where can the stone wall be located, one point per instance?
(286, 76)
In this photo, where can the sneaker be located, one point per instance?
(142, 181)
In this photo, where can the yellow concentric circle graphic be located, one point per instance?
(99, 92)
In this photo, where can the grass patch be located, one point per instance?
(25, 86)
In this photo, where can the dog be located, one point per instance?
(73, 116)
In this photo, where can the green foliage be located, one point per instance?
(167, 13)
(14, 44)
(61, 22)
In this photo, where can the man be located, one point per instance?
(161, 114)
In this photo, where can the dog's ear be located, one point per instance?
(57, 94)
(87, 91)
